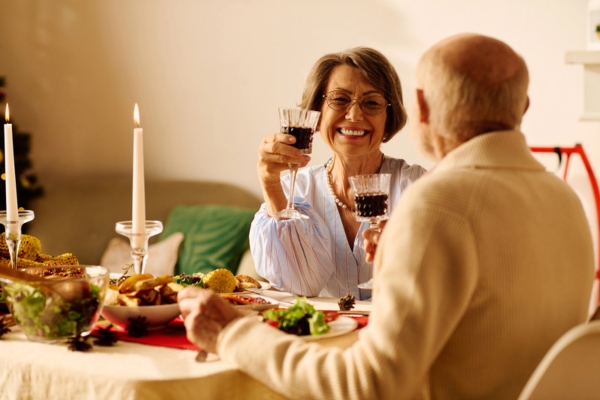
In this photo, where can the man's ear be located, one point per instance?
(423, 107)
(526, 106)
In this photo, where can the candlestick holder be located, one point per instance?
(13, 232)
(139, 241)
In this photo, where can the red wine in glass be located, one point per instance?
(371, 205)
(304, 137)
(371, 193)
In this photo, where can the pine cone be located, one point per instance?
(137, 327)
(346, 303)
(106, 337)
(79, 343)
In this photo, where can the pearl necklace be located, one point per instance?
(335, 198)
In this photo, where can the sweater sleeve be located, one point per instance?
(426, 272)
(293, 255)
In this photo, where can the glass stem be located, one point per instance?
(293, 171)
(374, 224)
(13, 249)
(139, 260)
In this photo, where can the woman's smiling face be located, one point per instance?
(352, 132)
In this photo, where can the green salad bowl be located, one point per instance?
(62, 302)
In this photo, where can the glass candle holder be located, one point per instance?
(13, 232)
(139, 241)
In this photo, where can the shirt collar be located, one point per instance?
(501, 149)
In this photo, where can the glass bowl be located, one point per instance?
(64, 302)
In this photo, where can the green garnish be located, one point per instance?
(300, 319)
(189, 280)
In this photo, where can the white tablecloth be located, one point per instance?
(129, 371)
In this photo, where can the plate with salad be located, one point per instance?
(303, 320)
(340, 326)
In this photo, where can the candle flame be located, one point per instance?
(7, 114)
(136, 115)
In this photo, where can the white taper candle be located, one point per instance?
(139, 197)
(12, 211)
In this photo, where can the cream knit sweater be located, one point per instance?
(484, 264)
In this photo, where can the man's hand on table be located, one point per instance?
(205, 315)
(371, 237)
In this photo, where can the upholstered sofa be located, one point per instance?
(79, 217)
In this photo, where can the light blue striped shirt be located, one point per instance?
(312, 256)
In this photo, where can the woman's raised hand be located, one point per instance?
(275, 153)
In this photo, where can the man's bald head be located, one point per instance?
(473, 84)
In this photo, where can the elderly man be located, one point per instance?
(484, 264)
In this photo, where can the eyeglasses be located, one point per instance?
(372, 104)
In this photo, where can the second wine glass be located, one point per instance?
(301, 124)
(371, 193)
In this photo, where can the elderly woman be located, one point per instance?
(359, 95)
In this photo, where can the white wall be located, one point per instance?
(209, 75)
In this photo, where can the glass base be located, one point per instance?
(290, 213)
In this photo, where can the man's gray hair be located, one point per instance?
(462, 106)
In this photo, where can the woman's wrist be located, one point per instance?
(275, 199)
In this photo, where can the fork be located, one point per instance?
(203, 355)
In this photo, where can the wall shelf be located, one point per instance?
(591, 75)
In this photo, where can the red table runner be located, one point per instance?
(173, 335)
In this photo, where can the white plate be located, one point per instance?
(156, 316)
(263, 286)
(340, 326)
(258, 307)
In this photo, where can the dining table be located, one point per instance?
(130, 371)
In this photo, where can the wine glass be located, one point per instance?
(301, 124)
(371, 194)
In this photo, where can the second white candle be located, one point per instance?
(12, 211)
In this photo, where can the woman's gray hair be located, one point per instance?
(463, 107)
(375, 67)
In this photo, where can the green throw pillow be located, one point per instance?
(214, 236)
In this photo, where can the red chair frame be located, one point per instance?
(568, 151)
